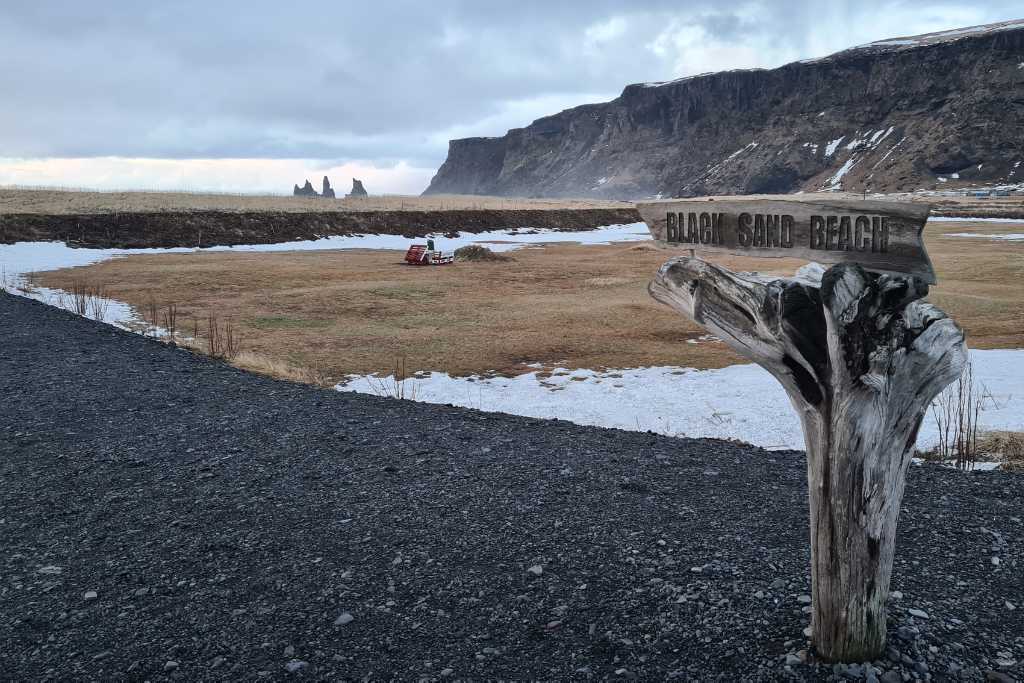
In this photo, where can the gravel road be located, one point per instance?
(165, 516)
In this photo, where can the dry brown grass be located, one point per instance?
(981, 281)
(57, 202)
(272, 367)
(1004, 447)
(577, 306)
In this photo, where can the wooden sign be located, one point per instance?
(880, 236)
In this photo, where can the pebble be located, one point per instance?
(1010, 605)
(295, 665)
(343, 619)
(793, 660)
(50, 569)
(920, 614)
(447, 672)
(90, 595)
(171, 665)
(536, 570)
(891, 677)
(896, 595)
(804, 599)
(908, 633)
(995, 561)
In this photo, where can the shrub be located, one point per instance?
(478, 252)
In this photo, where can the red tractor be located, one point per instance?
(427, 255)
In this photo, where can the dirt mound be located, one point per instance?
(478, 252)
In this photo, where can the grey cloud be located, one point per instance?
(374, 81)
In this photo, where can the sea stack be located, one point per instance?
(357, 189)
(305, 191)
(328, 192)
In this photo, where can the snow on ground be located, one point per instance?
(831, 147)
(961, 219)
(837, 179)
(737, 402)
(1012, 236)
(19, 260)
(22, 258)
(741, 401)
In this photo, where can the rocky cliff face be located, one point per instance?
(926, 112)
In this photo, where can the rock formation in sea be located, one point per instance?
(357, 189)
(305, 191)
(328, 192)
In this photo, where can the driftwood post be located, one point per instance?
(861, 358)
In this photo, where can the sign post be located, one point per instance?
(859, 353)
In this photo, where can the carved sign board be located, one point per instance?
(878, 235)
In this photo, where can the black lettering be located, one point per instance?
(831, 230)
(759, 230)
(862, 232)
(771, 230)
(671, 228)
(743, 229)
(716, 228)
(705, 228)
(786, 232)
(692, 234)
(844, 234)
(817, 232)
(883, 240)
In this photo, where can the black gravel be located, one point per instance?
(165, 516)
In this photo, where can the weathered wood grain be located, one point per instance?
(881, 236)
(861, 358)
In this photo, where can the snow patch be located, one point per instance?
(19, 260)
(963, 219)
(893, 42)
(1011, 236)
(743, 149)
(830, 148)
(836, 180)
(725, 403)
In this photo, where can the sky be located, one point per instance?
(256, 96)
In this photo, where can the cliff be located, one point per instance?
(927, 112)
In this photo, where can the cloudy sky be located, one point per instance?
(255, 96)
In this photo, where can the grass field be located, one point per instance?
(578, 306)
(60, 202)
